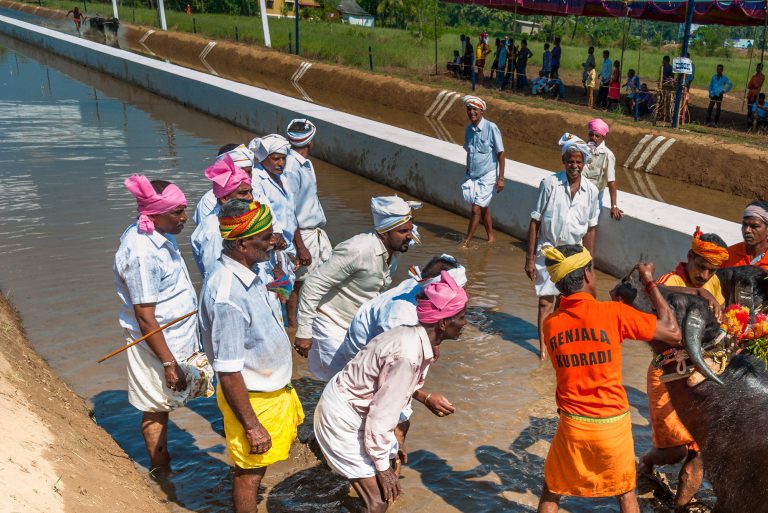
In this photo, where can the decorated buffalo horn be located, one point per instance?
(694, 332)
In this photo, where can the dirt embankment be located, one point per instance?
(700, 159)
(54, 458)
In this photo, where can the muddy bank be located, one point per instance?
(54, 457)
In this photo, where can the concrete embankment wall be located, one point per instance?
(424, 167)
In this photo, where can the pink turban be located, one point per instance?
(226, 176)
(150, 203)
(444, 299)
(598, 126)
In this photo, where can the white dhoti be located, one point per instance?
(543, 284)
(319, 247)
(479, 191)
(327, 337)
(147, 390)
(339, 432)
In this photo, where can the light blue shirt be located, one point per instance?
(299, 177)
(280, 201)
(546, 63)
(204, 207)
(483, 144)
(239, 329)
(719, 85)
(207, 242)
(149, 269)
(605, 70)
(502, 56)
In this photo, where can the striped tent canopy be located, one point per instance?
(706, 12)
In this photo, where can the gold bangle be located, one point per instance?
(427, 398)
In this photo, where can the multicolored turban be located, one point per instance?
(302, 137)
(389, 212)
(444, 299)
(568, 141)
(474, 102)
(226, 176)
(564, 265)
(263, 147)
(241, 156)
(151, 203)
(713, 254)
(253, 222)
(598, 126)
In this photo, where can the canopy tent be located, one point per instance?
(706, 12)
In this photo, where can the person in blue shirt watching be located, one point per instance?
(759, 112)
(539, 85)
(718, 86)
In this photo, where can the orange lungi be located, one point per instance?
(667, 430)
(591, 457)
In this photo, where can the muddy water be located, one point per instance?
(70, 136)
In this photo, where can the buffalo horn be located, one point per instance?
(694, 332)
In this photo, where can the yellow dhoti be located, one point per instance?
(280, 413)
(591, 457)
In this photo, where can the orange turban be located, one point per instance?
(709, 251)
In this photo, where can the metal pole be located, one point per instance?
(161, 9)
(264, 24)
(297, 26)
(686, 38)
(749, 68)
(114, 10)
(765, 25)
(640, 48)
(575, 26)
(237, 34)
(290, 42)
(85, 6)
(473, 69)
(370, 57)
(435, 37)
(194, 25)
(623, 42)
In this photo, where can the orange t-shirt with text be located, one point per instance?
(583, 337)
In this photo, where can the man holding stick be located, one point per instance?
(152, 280)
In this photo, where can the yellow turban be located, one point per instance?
(564, 265)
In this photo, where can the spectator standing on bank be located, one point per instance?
(632, 87)
(590, 61)
(759, 112)
(719, 84)
(546, 61)
(501, 72)
(605, 79)
(753, 89)
(667, 74)
(591, 82)
(482, 51)
(614, 88)
(466, 57)
(455, 65)
(521, 64)
(556, 53)
(495, 64)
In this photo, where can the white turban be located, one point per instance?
(302, 134)
(473, 101)
(389, 212)
(241, 156)
(568, 141)
(263, 147)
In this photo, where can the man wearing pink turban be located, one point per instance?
(601, 171)
(229, 182)
(360, 407)
(242, 157)
(153, 283)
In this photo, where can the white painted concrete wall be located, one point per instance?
(419, 165)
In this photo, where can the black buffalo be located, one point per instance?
(725, 414)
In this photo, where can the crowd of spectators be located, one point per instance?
(602, 82)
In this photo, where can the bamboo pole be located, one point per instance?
(749, 69)
(145, 337)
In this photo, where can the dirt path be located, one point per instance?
(54, 458)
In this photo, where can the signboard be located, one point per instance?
(682, 65)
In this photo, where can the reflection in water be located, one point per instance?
(65, 150)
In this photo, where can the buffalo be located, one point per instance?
(725, 413)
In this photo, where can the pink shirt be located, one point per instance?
(380, 380)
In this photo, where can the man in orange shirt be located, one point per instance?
(592, 453)
(671, 440)
(754, 229)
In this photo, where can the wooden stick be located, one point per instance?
(153, 332)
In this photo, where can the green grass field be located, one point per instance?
(401, 53)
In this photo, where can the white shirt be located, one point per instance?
(280, 201)
(207, 243)
(602, 169)
(380, 381)
(204, 207)
(395, 307)
(565, 220)
(149, 269)
(299, 177)
(356, 272)
(240, 332)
